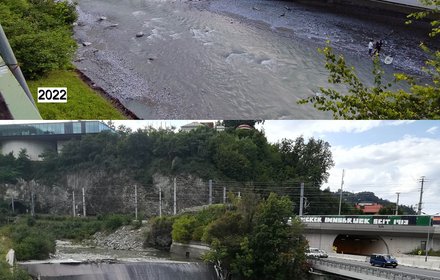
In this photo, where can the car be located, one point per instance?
(323, 254)
(316, 253)
(383, 260)
(313, 253)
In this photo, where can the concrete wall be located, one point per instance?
(34, 148)
(386, 243)
(191, 250)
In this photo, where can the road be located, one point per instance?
(400, 268)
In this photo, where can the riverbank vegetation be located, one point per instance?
(251, 238)
(33, 238)
(379, 101)
(41, 36)
(83, 102)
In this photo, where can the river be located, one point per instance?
(234, 59)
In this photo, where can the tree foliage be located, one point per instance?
(379, 101)
(40, 34)
(263, 247)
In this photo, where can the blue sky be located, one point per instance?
(384, 157)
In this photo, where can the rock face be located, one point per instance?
(107, 193)
(124, 238)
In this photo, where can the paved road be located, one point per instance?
(400, 268)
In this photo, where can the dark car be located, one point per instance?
(383, 260)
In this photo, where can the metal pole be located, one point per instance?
(135, 202)
(397, 203)
(426, 247)
(84, 202)
(9, 58)
(175, 197)
(160, 201)
(32, 200)
(210, 192)
(340, 194)
(73, 203)
(419, 211)
(224, 195)
(12, 203)
(301, 200)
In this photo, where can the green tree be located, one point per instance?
(390, 209)
(379, 101)
(8, 169)
(258, 242)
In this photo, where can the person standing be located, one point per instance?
(370, 47)
(378, 47)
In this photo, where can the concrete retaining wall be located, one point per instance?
(191, 250)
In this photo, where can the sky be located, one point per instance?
(383, 157)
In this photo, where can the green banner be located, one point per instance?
(369, 219)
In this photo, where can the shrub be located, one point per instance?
(115, 221)
(160, 234)
(183, 228)
(40, 34)
(31, 243)
(16, 274)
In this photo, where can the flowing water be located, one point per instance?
(225, 58)
(81, 262)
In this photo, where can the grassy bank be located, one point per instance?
(82, 101)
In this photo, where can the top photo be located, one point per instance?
(219, 59)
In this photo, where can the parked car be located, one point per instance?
(316, 253)
(383, 260)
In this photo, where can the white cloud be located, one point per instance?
(391, 167)
(277, 130)
(432, 130)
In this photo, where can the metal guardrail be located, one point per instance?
(371, 271)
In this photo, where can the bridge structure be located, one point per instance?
(365, 235)
(321, 268)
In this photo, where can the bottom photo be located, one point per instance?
(219, 199)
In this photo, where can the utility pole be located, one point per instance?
(301, 200)
(84, 202)
(12, 198)
(175, 197)
(224, 195)
(160, 201)
(340, 193)
(135, 202)
(210, 192)
(419, 211)
(397, 203)
(32, 200)
(427, 243)
(73, 203)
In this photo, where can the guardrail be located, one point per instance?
(364, 272)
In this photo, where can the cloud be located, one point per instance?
(277, 130)
(391, 167)
(432, 130)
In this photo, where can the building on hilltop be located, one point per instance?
(38, 137)
(369, 208)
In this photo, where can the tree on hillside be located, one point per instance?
(390, 209)
(8, 169)
(379, 101)
(309, 161)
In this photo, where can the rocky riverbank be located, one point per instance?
(124, 238)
